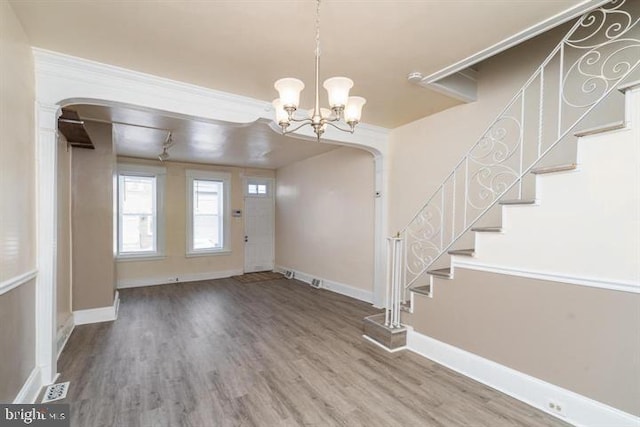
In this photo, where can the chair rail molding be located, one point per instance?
(16, 281)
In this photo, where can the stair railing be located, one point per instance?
(601, 49)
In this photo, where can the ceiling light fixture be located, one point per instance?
(168, 143)
(343, 108)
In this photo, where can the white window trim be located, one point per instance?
(225, 177)
(149, 171)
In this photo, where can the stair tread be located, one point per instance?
(424, 290)
(441, 272)
(494, 229)
(552, 169)
(619, 124)
(518, 202)
(463, 252)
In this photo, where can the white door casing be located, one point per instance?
(259, 226)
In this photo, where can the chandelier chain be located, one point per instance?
(317, 27)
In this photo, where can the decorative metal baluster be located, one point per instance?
(522, 118)
(540, 112)
(611, 32)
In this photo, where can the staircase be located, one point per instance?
(524, 146)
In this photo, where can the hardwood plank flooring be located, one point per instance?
(274, 353)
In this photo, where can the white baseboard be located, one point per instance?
(577, 409)
(97, 315)
(64, 332)
(181, 278)
(30, 389)
(330, 285)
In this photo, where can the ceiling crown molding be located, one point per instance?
(63, 79)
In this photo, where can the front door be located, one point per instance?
(259, 224)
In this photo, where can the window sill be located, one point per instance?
(210, 253)
(135, 258)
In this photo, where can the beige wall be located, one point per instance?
(63, 256)
(176, 264)
(92, 220)
(579, 338)
(17, 204)
(325, 217)
(17, 339)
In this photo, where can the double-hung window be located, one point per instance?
(140, 219)
(207, 212)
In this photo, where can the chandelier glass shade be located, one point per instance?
(344, 111)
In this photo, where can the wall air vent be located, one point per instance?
(316, 283)
(289, 274)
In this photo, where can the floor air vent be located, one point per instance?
(316, 283)
(288, 274)
(55, 392)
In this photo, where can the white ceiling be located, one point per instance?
(255, 145)
(243, 46)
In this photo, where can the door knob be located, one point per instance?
(246, 239)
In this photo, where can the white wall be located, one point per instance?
(325, 217)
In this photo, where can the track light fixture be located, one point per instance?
(168, 143)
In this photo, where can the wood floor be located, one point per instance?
(274, 353)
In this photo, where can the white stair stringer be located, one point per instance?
(586, 228)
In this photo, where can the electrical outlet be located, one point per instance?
(556, 407)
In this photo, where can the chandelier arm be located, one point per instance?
(306, 122)
(331, 123)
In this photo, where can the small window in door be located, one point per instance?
(258, 188)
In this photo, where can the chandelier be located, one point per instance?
(344, 112)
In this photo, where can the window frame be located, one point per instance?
(267, 182)
(224, 177)
(159, 173)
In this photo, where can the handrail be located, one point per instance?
(600, 50)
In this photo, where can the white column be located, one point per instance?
(380, 233)
(46, 161)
